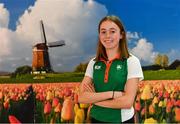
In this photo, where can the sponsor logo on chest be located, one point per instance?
(119, 67)
(97, 67)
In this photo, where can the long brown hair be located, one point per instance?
(101, 52)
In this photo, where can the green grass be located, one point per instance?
(77, 77)
(162, 75)
(61, 77)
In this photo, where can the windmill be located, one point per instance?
(40, 60)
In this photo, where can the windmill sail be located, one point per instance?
(56, 44)
(43, 32)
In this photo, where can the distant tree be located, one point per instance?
(81, 67)
(22, 70)
(157, 60)
(165, 60)
(161, 60)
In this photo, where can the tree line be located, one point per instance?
(161, 61)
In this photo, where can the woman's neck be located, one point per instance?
(111, 53)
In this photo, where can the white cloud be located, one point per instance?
(132, 35)
(5, 42)
(4, 16)
(74, 21)
(173, 54)
(144, 50)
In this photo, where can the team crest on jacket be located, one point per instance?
(97, 67)
(118, 67)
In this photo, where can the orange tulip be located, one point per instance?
(177, 103)
(67, 110)
(151, 109)
(177, 114)
(1, 95)
(57, 109)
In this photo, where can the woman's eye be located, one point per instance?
(113, 32)
(103, 32)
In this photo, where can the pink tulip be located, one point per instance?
(47, 108)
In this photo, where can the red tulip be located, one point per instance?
(166, 94)
(75, 98)
(47, 108)
(137, 106)
(6, 104)
(177, 103)
(13, 119)
(67, 92)
(160, 94)
(169, 106)
(55, 102)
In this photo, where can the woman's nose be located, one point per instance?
(107, 34)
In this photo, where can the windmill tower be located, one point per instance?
(40, 60)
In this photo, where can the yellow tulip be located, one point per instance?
(155, 100)
(165, 102)
(76, 107)
(84, 106)
(49, 96)
(80, 116)
(150, 121)
(77, 120)
(160, 104)
(146, 94)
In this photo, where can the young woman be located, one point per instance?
(111, 78)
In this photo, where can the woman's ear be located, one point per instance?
(121, 36)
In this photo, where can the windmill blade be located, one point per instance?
(56, 44)
(43, 32)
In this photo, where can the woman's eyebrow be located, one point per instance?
(102, 29)
(113, 29)
(106, 29)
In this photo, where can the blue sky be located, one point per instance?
(156, 21)
(159, 21)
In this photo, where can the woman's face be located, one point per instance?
(109, 35)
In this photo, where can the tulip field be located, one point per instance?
(157, 101)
